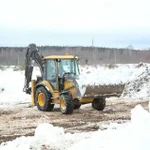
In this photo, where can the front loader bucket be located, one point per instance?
(104, 90)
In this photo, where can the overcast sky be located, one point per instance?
(111, 23)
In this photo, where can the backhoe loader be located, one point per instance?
(58, 83)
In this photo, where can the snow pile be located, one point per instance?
(102, 75)
(132, 135)
(136, 78)
(48, 131)
(138, 85)
(46, 137)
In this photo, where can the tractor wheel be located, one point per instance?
(66, 104)
(99, 103)
(77, 106)
(43, 99)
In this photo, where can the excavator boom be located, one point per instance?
(32, 55)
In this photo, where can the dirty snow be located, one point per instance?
(136, 78)
(137, 86)
(132, 135)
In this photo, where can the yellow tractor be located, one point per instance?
(58, 83)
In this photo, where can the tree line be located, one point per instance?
(87, 55)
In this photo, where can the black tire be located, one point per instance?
(99, 103)
(77, 106)
(44, 103)
(66, 104)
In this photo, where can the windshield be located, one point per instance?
(69, 66)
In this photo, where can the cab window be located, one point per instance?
(51, 72)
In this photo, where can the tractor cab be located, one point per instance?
(60, 68)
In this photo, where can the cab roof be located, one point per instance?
(60, 57)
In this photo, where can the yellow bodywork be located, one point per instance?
(86, 100)
(68, 85)
(33, 92)
(55, 93)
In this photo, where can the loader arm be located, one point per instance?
(32, 55)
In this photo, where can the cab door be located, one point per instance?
(51, 73)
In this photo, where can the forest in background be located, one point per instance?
(89, 55)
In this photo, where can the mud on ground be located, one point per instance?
(21, 120)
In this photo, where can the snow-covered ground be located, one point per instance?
(131, 135)
(135, 76)
(12, 82)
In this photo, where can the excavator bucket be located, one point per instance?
(104, 90)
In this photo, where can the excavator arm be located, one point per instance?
(32, 55)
